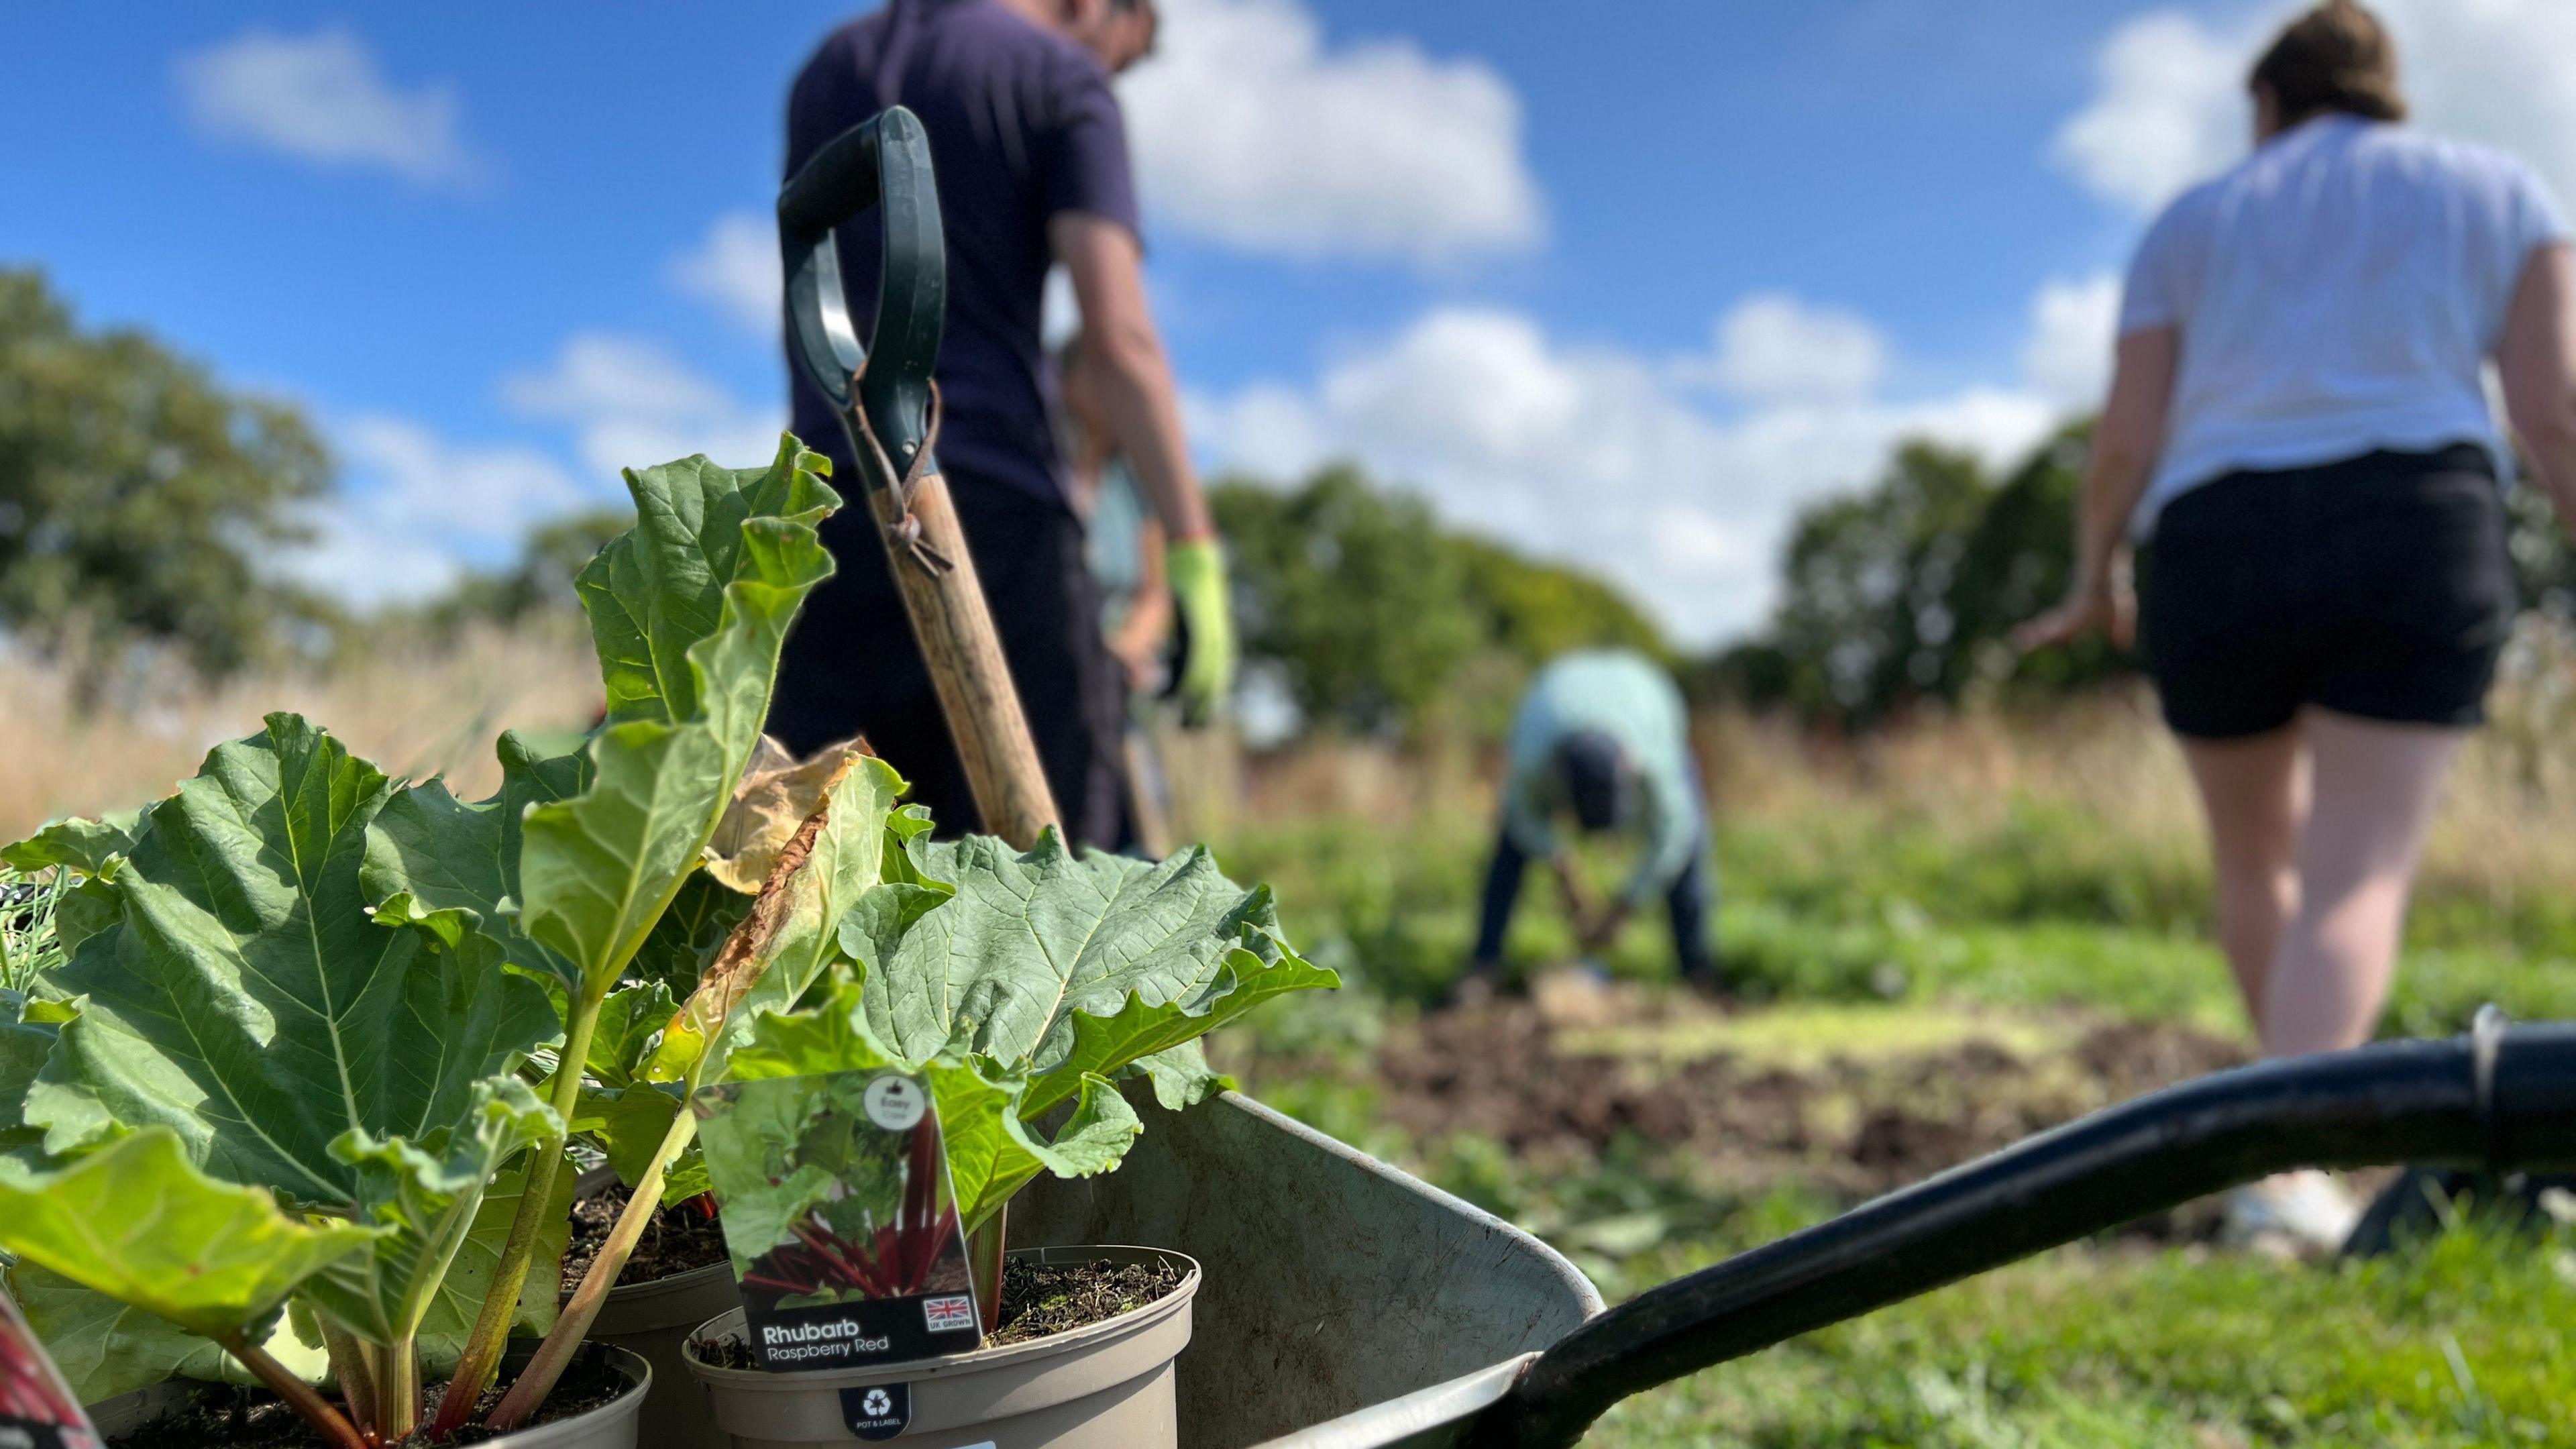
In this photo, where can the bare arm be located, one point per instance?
(1578, 901)
(2125, 444)
(1136, 387)
(2534, 359)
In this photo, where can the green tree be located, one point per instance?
(1351, 593)
(1865, 619)
(1382, 621)
(2018, 561)
(138, 496)
(1909, 592)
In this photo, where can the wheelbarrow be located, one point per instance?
(1347, 1305)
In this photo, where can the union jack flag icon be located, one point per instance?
(949, 1313)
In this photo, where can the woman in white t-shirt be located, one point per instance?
(2299, 447)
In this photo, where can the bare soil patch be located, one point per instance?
(1859, 1125)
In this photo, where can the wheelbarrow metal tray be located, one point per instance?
(1337, 1288)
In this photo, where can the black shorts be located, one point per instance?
(2379, 587)
(851, 665)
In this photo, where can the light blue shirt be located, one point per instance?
(1113, 542)
(1626, 696)
(2337, 292)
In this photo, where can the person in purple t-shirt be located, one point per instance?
(1031, 154)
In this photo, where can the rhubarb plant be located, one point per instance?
(334, 988)
(1027, 982)
(235, 991)
(343, 1025)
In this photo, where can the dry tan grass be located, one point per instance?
(412, 709)
(2508, 824)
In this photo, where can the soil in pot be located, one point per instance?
(238, 1418)
(1038, 1299)
(677, 1240)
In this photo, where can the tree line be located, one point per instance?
(143, 503)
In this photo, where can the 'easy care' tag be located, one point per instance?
(841, 1221)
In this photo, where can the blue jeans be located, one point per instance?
(1690, 902)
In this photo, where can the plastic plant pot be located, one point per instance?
(1109, 1385)
(653, 1321)
(610, 1426)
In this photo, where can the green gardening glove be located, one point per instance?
(1197, 571)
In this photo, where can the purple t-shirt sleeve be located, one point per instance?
(1081, 155)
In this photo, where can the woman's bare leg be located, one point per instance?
(2376, 787)
(2253, 792)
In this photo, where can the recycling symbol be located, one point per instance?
(880, 1412)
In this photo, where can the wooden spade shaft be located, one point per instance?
(964, 655)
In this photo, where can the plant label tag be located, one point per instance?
(841, 1221)
(879, 1411)
(37, 1409)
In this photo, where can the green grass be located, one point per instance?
(2045, 908)
(2459, 1342)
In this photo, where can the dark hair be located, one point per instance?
(1596, 778)
(2337, 57)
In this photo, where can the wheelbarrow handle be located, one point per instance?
(883, 162)
(2496, 1098)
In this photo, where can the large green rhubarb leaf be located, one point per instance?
(247, 998)
(688, 610)
(429, 851)
(137, 1222)
(106, 1348)
(24, 1045)
(992, 1149)
(1066, 966)
(82, 846)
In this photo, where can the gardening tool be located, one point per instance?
(889, 406)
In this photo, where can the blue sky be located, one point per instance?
(1625, 283)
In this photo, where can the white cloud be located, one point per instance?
(1251, 132)
(1775, 348)
(418, 509)
(2495, 71)
(734, 268)
(630, 403)
(2066, 357)
(2170, 107)
(1605, 457)
(322, 98)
